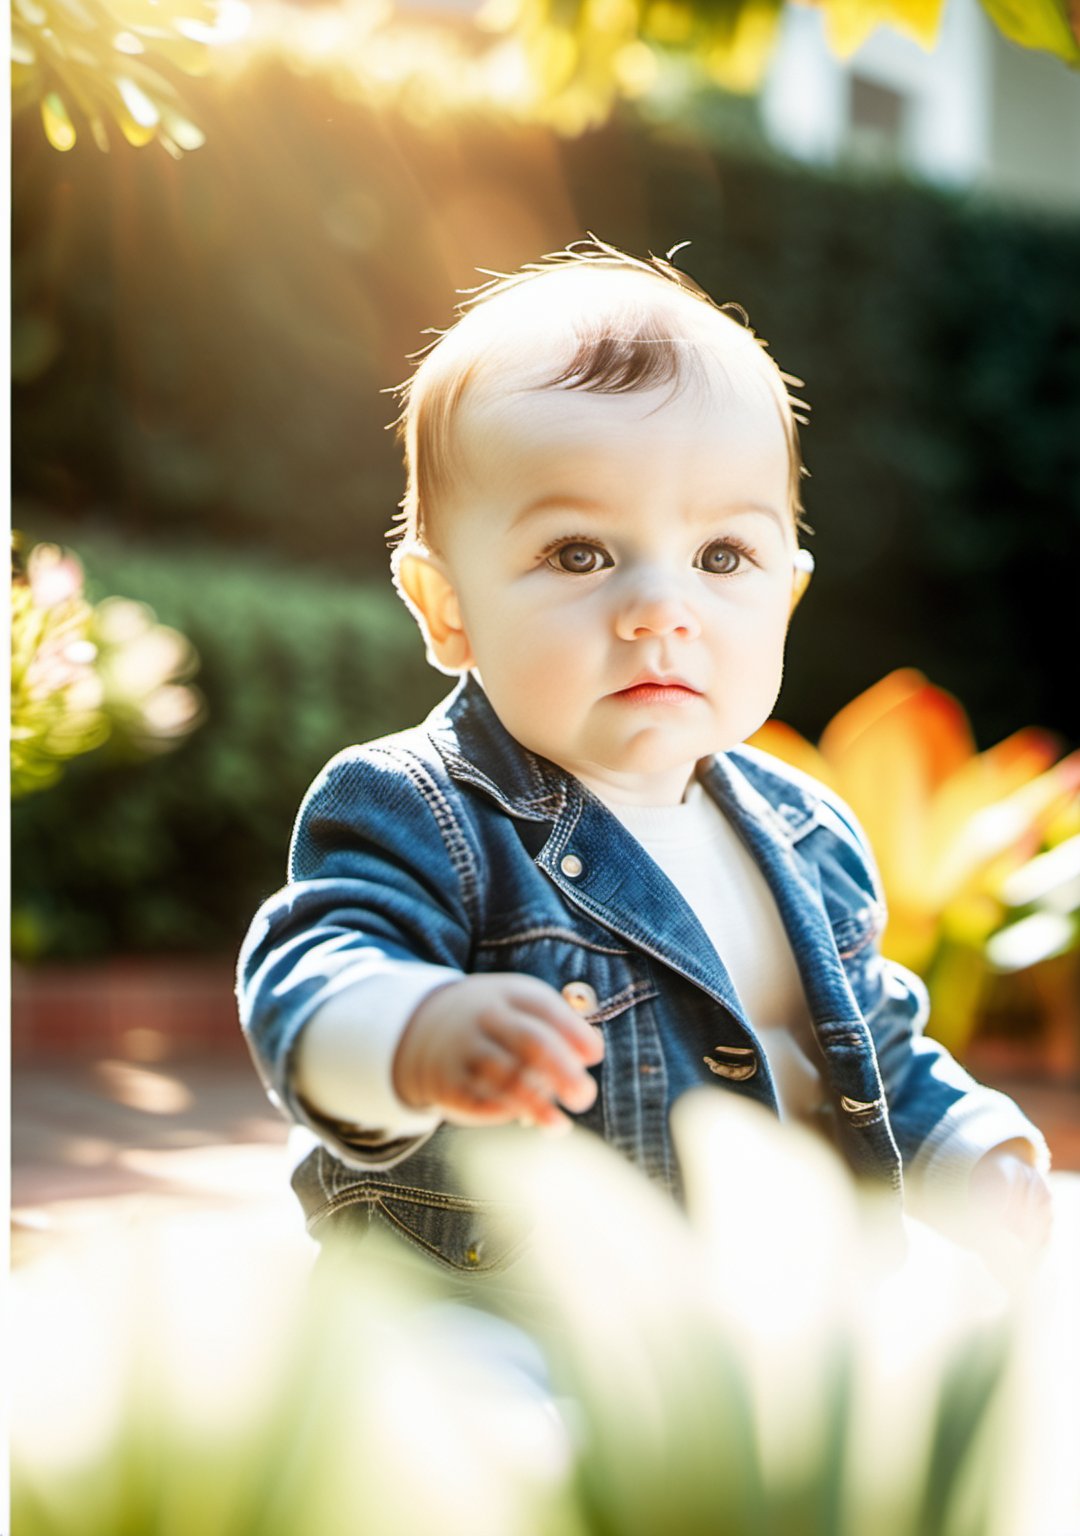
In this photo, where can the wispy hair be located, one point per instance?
(615, 338)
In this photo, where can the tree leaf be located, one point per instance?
(59, 129)
(1050, 25)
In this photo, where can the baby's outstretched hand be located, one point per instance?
(1008, 1190)
(494, 1048)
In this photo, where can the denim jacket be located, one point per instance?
(451, 844)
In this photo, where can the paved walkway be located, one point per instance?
(113, 1140)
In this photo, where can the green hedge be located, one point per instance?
(175, 853)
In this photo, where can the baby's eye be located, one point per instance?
(722, 557)
(579, 559)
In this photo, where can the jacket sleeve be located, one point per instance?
(382, 880)
(942, 1118)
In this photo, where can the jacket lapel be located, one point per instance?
(795, 883)
(602, 869)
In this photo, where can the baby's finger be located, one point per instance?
(537, 997)
(547, 1056)
(534, 1104)
(493, 1085)
(498, 1103)
(489, 1068)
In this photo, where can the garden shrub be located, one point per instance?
(174, 853)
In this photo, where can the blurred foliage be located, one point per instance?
(848, 23)
(579, 57)
(962, 838)
(768, 1365)
(82, 675)
(562, 62)
(174, 855)
(100, 62)
(56, 695)
(1052, 25)
(1042, 899)
(199, 347)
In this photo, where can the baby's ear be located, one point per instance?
(804, 569)
(430, 595)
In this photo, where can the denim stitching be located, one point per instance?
(851, 936)
(866, 1117)
(368, 1190)
(563, 833)
(642, 940)
(375, 1200)
(320, 1168)
(528, 934)
(457, 848)
(550, 802)
(636, 992)
(495, 1264)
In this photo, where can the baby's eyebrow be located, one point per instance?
(558, 503)
(764, 507)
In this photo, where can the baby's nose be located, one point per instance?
(656, 607)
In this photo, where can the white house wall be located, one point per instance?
(978, 110)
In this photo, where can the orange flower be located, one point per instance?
(948, 824)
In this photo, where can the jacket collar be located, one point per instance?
(478, 749)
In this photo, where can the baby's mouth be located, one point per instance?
(658, 690)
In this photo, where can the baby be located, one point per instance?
(573, 892)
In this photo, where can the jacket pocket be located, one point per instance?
(422, 1201)
(465, 1235)
(599, 978)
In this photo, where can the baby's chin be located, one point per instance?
(647, 773)
(648, 755)
(657, 750)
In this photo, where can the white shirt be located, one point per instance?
(718, 877)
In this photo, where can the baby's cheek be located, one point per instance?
(531, 701)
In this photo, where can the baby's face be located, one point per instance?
(623, 564)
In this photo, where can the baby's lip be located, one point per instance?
(659, 680)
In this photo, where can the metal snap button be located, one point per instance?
(580, 996)
(571, 865)
(740, 1062)
(859, 1106)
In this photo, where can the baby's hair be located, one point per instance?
(645, 350)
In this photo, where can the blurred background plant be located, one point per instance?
(767, 1365)
(85, 674)
(177, 851)
(101, 61)
(979, 852)
(573, 61)
(567, 65)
